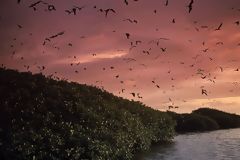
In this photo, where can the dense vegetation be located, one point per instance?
(224, 120)
(41, 118)
(205, 119)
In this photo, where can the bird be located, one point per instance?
(127, 35)
(219, 43)
(190, 6)
(133, 94)
(221, 69)
(18, 1)
(56, 35)
(166, 3)
(203, 77)
(126, 2)
(219, 27)
(19, 26)
(129, 59)
(173, 21)
(51, 7)
(163, 49)
(108, 10)
(170, 107)
(33, 5)
(136, 42)
(147, 52)
(68, 11)
(130, 20)
(205, 50)
(74, 10)
(237, 23)
(138, 95)
(204, 91)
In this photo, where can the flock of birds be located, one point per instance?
(132, 45)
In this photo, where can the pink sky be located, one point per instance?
(90, 32)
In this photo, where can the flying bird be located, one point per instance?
(74, 10)
(130, 20)
(127, 35)
(190, 5)
(33, 5)
(109, 10)
(133, 94)
(19, 26)
(51, 7)
(219, 43)
(163, 49)
(205, 50)
(237, 23)
(219, 27)
(166, 3)
(204, 91)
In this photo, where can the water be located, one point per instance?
(216, 145)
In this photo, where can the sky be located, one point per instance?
(171, 57)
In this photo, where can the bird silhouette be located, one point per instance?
(204, 91)
(219, 27)
(19, 26)
(219, 43)
(129, 59)
(74, 10)
(170, 107)
(33, 5)
(190, 5)
(51, 7)
(133, 94)
(127, 35)
(109, 10)
(205, 50)
(130, 20)
(166, 3)
(237, 23)
(56, 35)
(163, 49)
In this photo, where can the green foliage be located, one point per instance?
(193, 122)
(41, 118)
(205, 119)
(225, 120)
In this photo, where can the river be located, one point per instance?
(216, 145)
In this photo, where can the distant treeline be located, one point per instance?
(45, 119)
(205, 119)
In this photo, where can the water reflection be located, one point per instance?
(217, 145)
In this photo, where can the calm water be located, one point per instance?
(217, 145)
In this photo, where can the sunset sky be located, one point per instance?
(177, 55)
